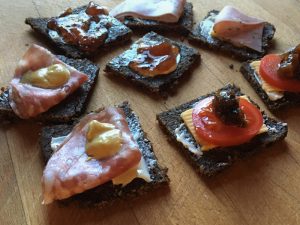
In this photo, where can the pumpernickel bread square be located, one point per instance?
(118, 33)
(162, 84)
(183, 26)
(108, 193)
(217, 159)
(289, 98)
(201, 35)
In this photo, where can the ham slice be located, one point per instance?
(29, 101)
(70, 171)
(238, 28)
(168, 11)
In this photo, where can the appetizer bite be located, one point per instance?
(47, 87)
(216, 129)
(102, 158)
(83, 31)
(276, 78)
(156, 15)
(234, 33)
(154, 63)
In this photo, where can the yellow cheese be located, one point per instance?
(205, 146)
(188, 121)
(103, 140)
(126, 177)
(274, 93)
(139, 171)
(212, 33)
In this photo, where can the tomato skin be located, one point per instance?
(211, 129)
(268, 71)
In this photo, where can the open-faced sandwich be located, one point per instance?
(216, 129)
(102, 158)
(82, 31)
(155, 15)
(154, 63)
(47, 87)
(234, 33)
(276, 78)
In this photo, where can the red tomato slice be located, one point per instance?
(211, 129)
(268, 70)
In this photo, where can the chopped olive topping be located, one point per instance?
(289, 66)
(95, 10)
(226, 107)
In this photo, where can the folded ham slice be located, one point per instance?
(238, 28)
(168, 11)
(70, 171)
(29, 101)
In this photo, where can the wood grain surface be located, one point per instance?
(263, 189)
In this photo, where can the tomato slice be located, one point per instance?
(211, 129)
(268, 70)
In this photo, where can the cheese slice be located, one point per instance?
(274, 93)
(139, 171)
(205, 145)
(187, 141)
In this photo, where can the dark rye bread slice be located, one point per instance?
(201, 35)
(70, 108)
(217, 159)
(118, 33)
(288, 99)
(162, 84)
(108, 193)
(183, 26)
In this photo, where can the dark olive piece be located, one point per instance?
(289, 66)
(226, 107)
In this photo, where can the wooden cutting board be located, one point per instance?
(263, 189)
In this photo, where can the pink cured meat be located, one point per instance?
(239, 29)
(28, 101)
(70, 171)
(168, 11)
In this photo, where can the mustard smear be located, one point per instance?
(53, 76)
(103, 140)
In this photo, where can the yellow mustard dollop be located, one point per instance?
(53, 76)
(103, 140)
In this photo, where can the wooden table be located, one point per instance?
(263, 189)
